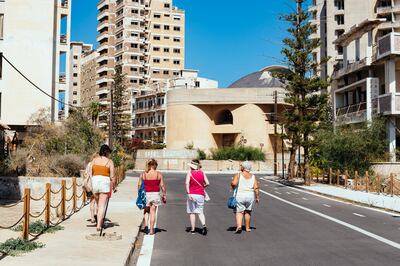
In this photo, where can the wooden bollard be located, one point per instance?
(27, 207)
(356, 180)
(74, 193)
(366, 181)
(346, 176)
(391, 185)
(378, 186)
(63, 198)
(330, 176)
(337, 177)
(48, 202)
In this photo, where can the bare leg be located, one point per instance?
(192, 217)
(100, 209)
(153, 210)
(92, 208)
(202, 219)
(146, 216)
(247, 219)
(239, 220)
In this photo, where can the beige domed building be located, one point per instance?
(214, 118)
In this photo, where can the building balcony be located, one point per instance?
(388, 45)
(65, 3)
(103, 14)
(342, 70)
(351, 114)
(386, 10)
(62, 79)
(102, 4)
(103, 80)
(103, 36)
(389, 25)
(102, 58)
(387, 104)
(103, 24)
(63, 39)
(103, 91)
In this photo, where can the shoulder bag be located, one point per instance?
(232, 203)
(206, 197)
(141, 197)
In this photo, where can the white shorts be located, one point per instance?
(101, 184)
(153, 198)
(244, 203)
(196, 205)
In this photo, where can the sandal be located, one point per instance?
(238, 231)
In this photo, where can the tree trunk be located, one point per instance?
(307, 178)
(292, 161)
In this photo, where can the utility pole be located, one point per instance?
(275, 119)
(110, 129)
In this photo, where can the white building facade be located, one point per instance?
(34, 37)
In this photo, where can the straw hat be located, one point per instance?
(194, 165)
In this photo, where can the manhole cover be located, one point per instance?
(104, 237)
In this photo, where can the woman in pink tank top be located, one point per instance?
(153, 185)
(196, 181)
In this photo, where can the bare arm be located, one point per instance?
(257, 190)
(235, 181)
(140, 181)
(206, 182)
(187, 183)
(162, 185)
(112, 172)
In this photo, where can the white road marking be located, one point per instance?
(304, 198)
(336, 200)
(278, 193)
(266, 185)
(353, 227)
(295, 193)
(147, 248)
(288, 193)
(359, 215)
(326, 205)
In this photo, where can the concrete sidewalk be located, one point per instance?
(370, 199)
(70, 247)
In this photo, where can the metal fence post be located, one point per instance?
(27, 202)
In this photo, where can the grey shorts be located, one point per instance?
(195, 206)
(244, 203)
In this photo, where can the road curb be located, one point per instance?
(133, 247)
(339, 198)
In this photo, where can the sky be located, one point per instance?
(225, 39)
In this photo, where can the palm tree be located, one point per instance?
(94, 111)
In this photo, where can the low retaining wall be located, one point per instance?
(385, 169)
(12, 188)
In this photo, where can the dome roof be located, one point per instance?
(261, 79)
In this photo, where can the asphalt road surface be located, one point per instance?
(291, 227)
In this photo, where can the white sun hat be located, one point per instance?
(247, 166)
(194, 165)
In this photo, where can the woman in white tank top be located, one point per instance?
(247, 192)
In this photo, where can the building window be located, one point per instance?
(166, 27)
(166, 60)
(75, 57)
(75, 84)
(74, 102)
(166, 37)
(1, 25)
(156, 49)
(176, 28)
(134, 69)
(177, 62)
(177, 39)
(134, 45)
(167, 5)
(134, 57)
(75, 75)
(197, 84)
(157, 15)
(166, 72)
(156, 60)
(166, 50)
(339, 4)
(157, 38)
(224, 118)
(75, 93)
(339, 19)
(177, 18)
(176, 73)
(156, 72)
(135, 11)
(177, 51)
(157, 26)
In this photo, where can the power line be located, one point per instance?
(37, 87)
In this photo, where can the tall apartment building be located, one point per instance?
(88, 87)
(366, 76)
(78, 51)
(34, 36)
(150, 104)
(145, 37)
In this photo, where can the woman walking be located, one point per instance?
(89, 193)
(247, 192)
(102, 181)
(153, 184)
(196, 181)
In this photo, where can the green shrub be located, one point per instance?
(38, 227)
(18, 246)
(201, 155)
(241, 153)
(68, 165)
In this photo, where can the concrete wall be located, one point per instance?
(385, 169)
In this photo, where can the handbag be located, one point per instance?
(87, 179)
(141, 197)
(206, 196)
(232, 203)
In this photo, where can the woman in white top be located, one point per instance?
(247, 193)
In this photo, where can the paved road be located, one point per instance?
(292, 228)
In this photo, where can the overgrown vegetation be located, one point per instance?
(201, 155)
(238, 153)
(18, 246)
(38, 227)
(351, 148)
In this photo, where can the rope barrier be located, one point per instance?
(68, 200)
(81, 195)
(58, 191)
(38, 199)
(69, 188)
(12, 205)
(9, 227)
(38, 215)
(55, 207)
(56, 223)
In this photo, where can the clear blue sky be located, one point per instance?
(225, 39)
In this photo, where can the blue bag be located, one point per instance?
(141, 198)
(232, 203)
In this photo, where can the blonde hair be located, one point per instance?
(94, 156)
(152, 163)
